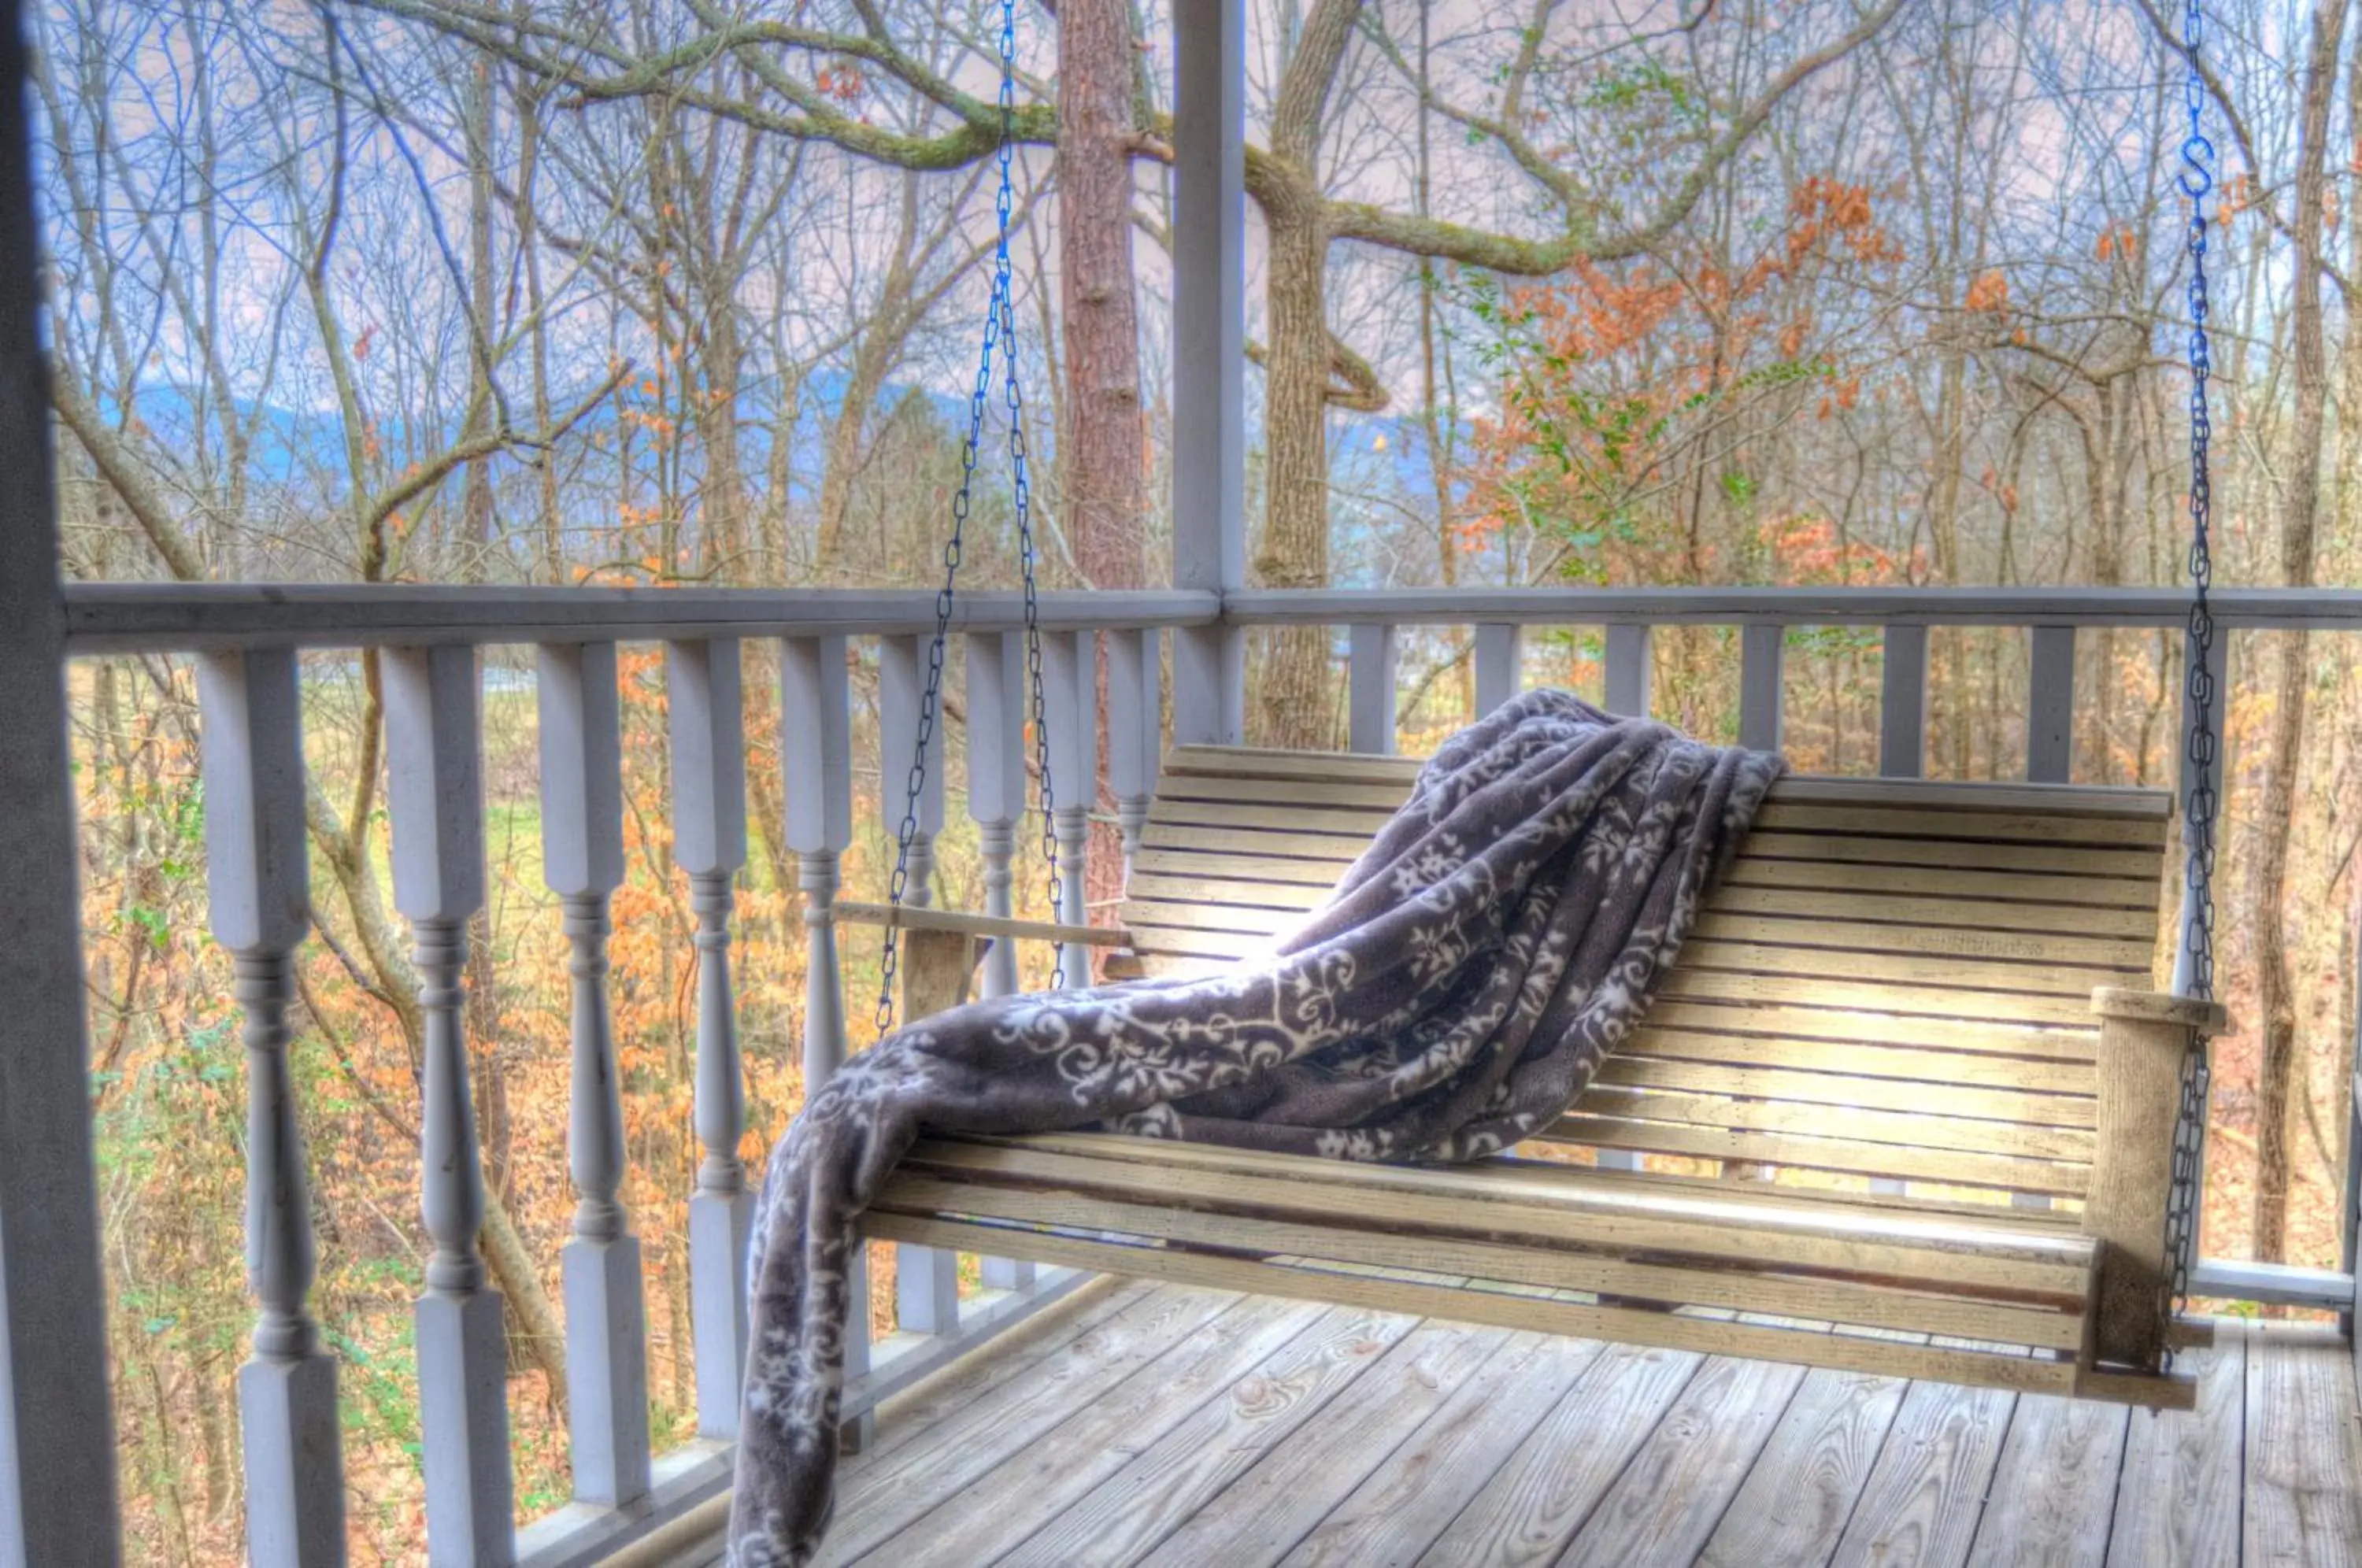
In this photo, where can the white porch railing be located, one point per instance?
(246, 640)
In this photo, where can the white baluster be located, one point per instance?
(901, 689)
(1135, 730)
(1370, 675)
(997, 706)
(582, 861)
(434, 795)
(1070, 693)
(709, 842)
(1500, 665)
(1902, 704)
(1762, 651)
(2050, 705)
(816, 752)
(1629, 672)
(816, 710)
(253, 751)
(997, 709)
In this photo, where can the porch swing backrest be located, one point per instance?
(1894, 980)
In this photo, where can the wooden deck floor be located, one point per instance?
(1156, 1424)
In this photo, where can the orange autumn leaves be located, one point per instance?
(1623, 384)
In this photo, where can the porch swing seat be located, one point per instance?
(1913, 1100)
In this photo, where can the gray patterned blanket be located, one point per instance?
(1455, 993)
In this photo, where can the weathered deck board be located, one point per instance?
(1176, 1426)
(2178, 1501)
(1000, 1504)
(2302, 1453)
(1927, 1492)
(1396, 1513)
(1173, 1478)
(2054, 1495)
(1799, 1492)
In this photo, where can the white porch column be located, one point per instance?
(1209, 360)
(435, 797)
(707, 713)
(1500, 665)
(57, 1433)
(258, 878)
(582, 861)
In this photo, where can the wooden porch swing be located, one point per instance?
(1899, 982)
(1925, 1006)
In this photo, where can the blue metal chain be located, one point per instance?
(2203, 750)
(999, 331)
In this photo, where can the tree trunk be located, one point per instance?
(1292, 706)
(1103, 450)
(1291, 700)
(2274, 988)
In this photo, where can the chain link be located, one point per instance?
(2202, 751)
(1001, 332)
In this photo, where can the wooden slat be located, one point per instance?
(1990, 914)
(2028, 827)
(1979, 1006)
(1332, 792)
(922, 917)
(2050, 867)
(1338, 850)
(1873, 1071)
(1833, 1300)
(1317, 875)
(1235, 918)
(1151, 883)
(1912, 1094)
(1249, 762)
(1517, 1198)
(1673, 1330)
(2080, 800)
(2077, 1041)
(2130, 956)
(1353, 822)
(1933, 970)
(1919, 1130)
(1952, 1166)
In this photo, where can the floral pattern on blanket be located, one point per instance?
(1452, 996)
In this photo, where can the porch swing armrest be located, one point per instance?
(2145, 1038)
(919, 917)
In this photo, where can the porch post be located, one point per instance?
(57, 1434)
(1209, 362)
